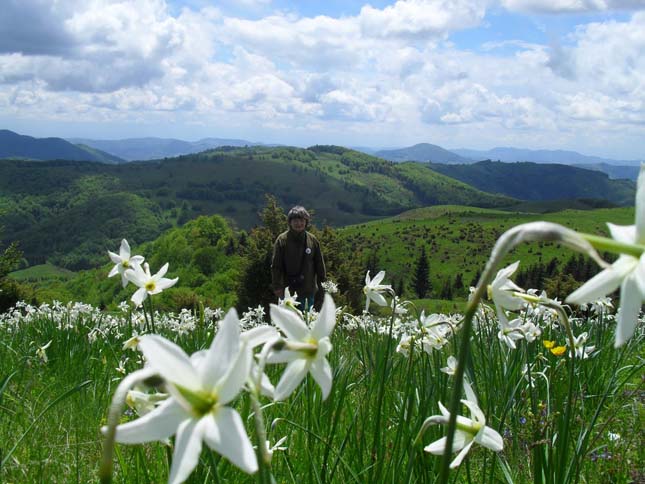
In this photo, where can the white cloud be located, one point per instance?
(385, 75)
(558, 6)
(90, 46)
(421, 18)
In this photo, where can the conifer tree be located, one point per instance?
(422, 275)
(255, 284)
(458, 285)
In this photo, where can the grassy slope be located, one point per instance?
(42, 272)
(459, 239)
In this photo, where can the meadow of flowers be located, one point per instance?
(518, 388)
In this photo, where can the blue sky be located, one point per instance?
(538, 74)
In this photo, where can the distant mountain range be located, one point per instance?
(14, 145)
(426, 152)
(539, 156)
(422, 152)
(142, 149)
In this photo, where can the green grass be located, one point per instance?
(51, 412)
(458, 240)
(42, 272)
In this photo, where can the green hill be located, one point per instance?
(423, 152)
(207, 256)
(532, 181)
(203, 254)
(69, 212)
(458, 242)
(13, 145)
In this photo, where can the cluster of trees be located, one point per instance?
(10, 290)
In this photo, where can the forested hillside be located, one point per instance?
(13, 145)
(85, 208)
(532, 181)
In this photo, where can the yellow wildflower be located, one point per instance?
(548, 344)
(558, 350)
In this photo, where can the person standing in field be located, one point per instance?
(297, 260)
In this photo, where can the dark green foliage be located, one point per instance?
(85, 208)
(255, 283)
(458, 285)
(197, 255)
(344, 266)
(446, 289)
(10, 290)
(560, 285)
(533, 181)
(421, 281)
(559, 280)
(337, 150)
(399, 287)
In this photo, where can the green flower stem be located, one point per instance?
(537, 452)
(613, 246)
(146, 327)
(529, 232)
(114, 415)
(563, 437)
(461, 367)
(152, 315)
(375, 470)
(264, 459)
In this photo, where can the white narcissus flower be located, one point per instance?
(41, 352)
(147, 283)
(289, 301)
(404, 345)
(255, 337)
(142, 402)
(531, 331)
(628, 272)
(452, 366)
(502, 288)
(251, 338)
(581, 351)
(197, 411)
(398, 306)
(305, 348)
(123, 261)
(373, 289)
(330, 286)
(510, 331)
(468, 431)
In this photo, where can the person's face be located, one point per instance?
(298, 224)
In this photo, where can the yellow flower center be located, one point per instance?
(311, 352)
(150, 286)
(125, 264)
(472, 429)
(200, 402)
